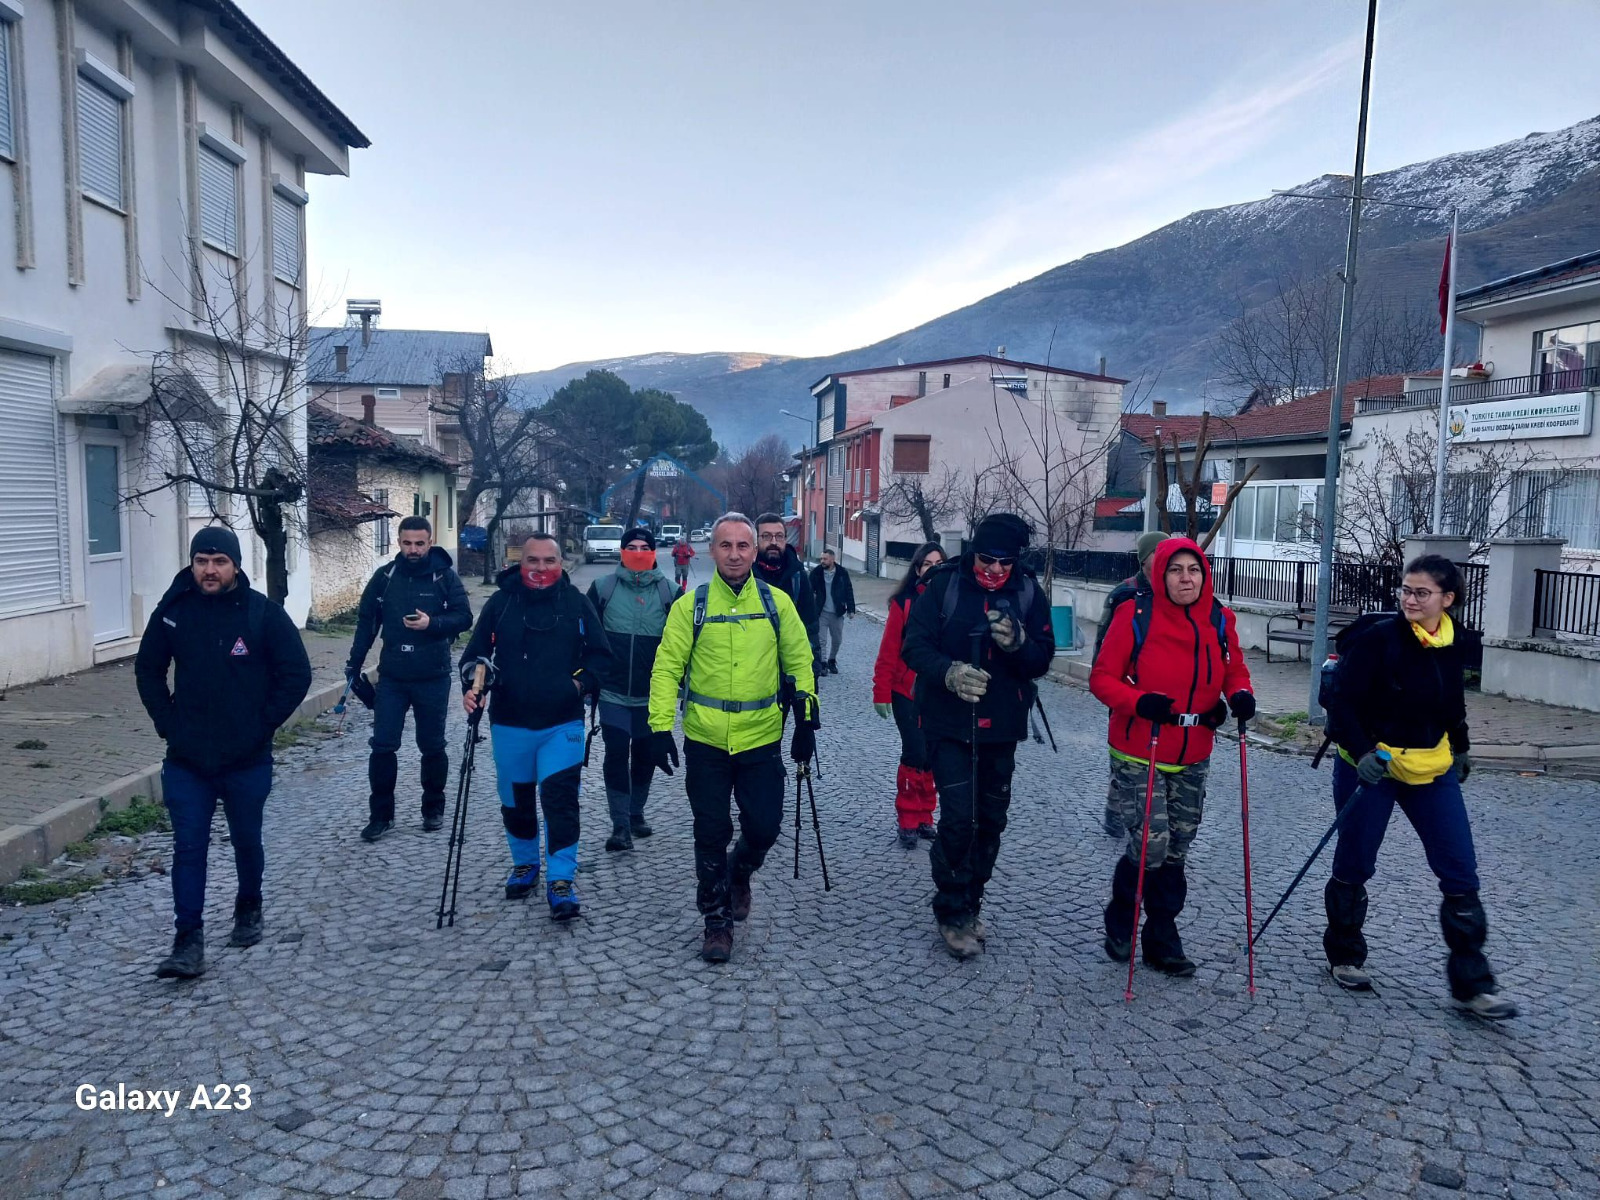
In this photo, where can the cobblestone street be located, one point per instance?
(842, 1052)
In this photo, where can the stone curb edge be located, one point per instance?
(36, 842)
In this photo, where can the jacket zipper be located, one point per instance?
(1194, 681)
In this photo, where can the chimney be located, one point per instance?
(1158, 408)
(1102, 369)
(369, 416)
(367, 312)
(341, 359)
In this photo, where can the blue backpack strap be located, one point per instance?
(1144, 603)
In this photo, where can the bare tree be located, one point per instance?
(1193, 486)
(753, 481)
(927, 499)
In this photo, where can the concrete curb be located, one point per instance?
(36, 842)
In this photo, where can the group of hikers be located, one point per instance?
(964, 642)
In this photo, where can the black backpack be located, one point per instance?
(1330, 679)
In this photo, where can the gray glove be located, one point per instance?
(967, 681)
(1372, 768)
(1006, 631)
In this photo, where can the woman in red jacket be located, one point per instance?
(1167, 664)
(892, 682)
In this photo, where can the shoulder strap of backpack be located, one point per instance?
(948, 602)
(770, 606)
(1144, 603)
(1029, 590)
(604, 588)
(667, 592)
(388, 582)
(701, 594)
(1219, 618)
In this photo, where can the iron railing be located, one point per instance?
(1509, 387)
(1096, 566)
(1566, 602)
(1469, 605)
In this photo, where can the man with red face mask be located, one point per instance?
(549, 651)
(977, 637)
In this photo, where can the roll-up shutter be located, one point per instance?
(8, 144)
(285, 239)
(100, 142)
(30, 484)
(219, 201)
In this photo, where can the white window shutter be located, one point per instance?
(30, 490)
(8, 141)
(219, 201)
(286, 239)
(100, 142)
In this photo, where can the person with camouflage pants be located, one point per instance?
(1176, 640)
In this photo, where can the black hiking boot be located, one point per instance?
(927, 832)
(1177, 965)
(621, 838)
(718, 944)
(908, 839)
(1118, 949)
(640, 827)
(246, 923)
(376, 829)
(739, 897)
(432, 821)
(188, 957)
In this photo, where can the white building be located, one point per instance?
(148, 149)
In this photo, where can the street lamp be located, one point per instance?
(805, 460)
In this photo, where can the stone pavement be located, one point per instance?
(842, 1052)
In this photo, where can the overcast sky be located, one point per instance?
(610, 177)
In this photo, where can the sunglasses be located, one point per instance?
(989, 560)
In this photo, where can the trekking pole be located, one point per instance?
(458, 820)
(340, 708)
(1144, 847)
(1244, 821)
(816, 754)
(816, 826)
(799, 774)
(1355, 798)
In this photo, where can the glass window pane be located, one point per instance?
(1266, 513)
(1244, 515)
(1288, 511)
(100, 479)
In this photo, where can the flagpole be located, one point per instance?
(1444, 383)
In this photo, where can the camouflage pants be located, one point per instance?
(1175, 809)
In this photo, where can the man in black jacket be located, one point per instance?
(420, 606)
(777, 565)
(835, 600)
(241, 672)
(1127, 590)
(977, 637)
(549, 651)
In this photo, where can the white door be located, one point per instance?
(109, 578)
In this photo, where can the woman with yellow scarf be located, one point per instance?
(1400, 692)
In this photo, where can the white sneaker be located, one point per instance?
(1351, 979)
(1489, 1006)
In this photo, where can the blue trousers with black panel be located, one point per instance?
(534, 768)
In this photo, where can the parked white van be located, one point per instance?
(602, 541)
(671, 535)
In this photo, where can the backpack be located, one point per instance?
(606, 586)
(769, 610)
(1330, 680)
(1144, 603)
(1028, 592)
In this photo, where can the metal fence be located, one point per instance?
(1469, 605)
(1566, 602)
(1509, 387)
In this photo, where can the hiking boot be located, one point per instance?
(376, 829)
(1177, 965)
(521, 881)
(639, 826)
(833, 667)
(1118, 949)
(1350, 978)
(432, 821)
(977, 930)
(563, 897)
(908, 839)
(188, 957)
(927, 832)
(718, 944)
(1488, 1006)
(959, 941)
(621, 838)
(246, 923)
(739, 897)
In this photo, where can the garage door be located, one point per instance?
(31, 485)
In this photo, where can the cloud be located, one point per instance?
(1091, 207)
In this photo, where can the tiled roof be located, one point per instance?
(394, 357)
(1306, 417)
(1527, 283)
(1144, 425)
(326, 429)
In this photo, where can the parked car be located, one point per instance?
(670, 535)
(602, 541)
(703, 534)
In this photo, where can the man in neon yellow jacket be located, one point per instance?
(741, 651)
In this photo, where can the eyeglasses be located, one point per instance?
(772, 539)
(1420, 595)
(989, 560)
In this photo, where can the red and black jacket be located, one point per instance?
(1180, 656)
(890, 675)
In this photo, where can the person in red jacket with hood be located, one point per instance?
(893, 695)
(1171, 669)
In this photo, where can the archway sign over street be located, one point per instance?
(659, 466)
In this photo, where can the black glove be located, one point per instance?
(1372, 768)
(1153, 706)
(363, 691)
(803, 747)
(1243, 705)
(1214, 716)
(1463, 762)
(663, 751)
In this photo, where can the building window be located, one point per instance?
(388, 393)
(1557, 504)
(922, 383)
(219, 201)
(100, 143)
(947, 379)
(910, 454)
(30, 484)
(8, 141)
(1561, 356)
(380, 527)
(286, 239)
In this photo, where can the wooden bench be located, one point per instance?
(1305, 625)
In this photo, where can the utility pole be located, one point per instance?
(1449, 331)
(1330, 475)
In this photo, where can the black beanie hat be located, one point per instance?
(215, 539)
(640, 533)
(1002, 535)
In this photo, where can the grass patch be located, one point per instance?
(80, 851)
(288, 736)
(142, 815)
(1290, 722)
(43, 891)
(32, 744)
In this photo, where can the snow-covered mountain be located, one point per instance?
(1153, 306)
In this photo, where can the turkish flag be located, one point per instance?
(1444, 284)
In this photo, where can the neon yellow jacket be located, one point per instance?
(733, 660)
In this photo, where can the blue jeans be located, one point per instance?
(191, 800)
(1435, 811)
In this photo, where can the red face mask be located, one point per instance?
(639, 560)
(991, 579)
(540, 579)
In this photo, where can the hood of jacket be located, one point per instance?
(437, 559)
(183, 582)
(1158, 577)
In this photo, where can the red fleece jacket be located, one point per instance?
(890, 675)
(1181, 658)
